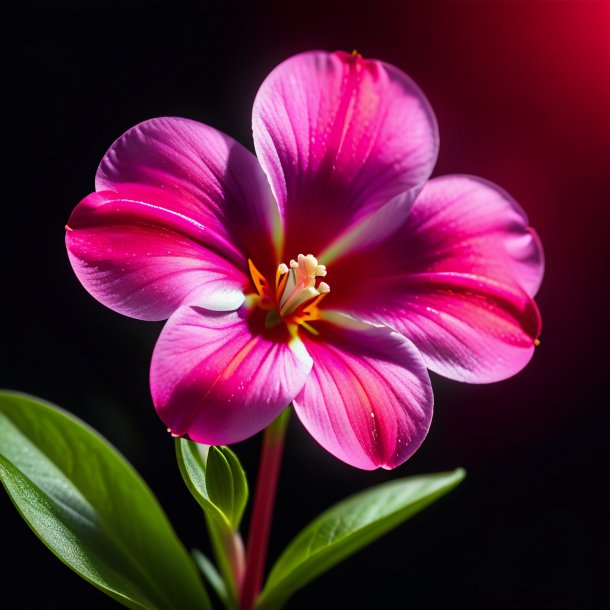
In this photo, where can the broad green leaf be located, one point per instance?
(216, 479)
(214, 579)
(347, 527)
(91, 508)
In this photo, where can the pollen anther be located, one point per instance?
(300, 286)
(296, 295)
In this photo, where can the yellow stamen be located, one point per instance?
(296, 296)
(258, 278)
(281, 277)
(312, 308)
(300, 285)
(310, 328)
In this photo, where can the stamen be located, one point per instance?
(296, 295)
(258, 278)
(282, 270)
(310, 328)
(311, 309)
(264, 298)
(300, 285)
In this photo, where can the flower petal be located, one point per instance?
(217, 379)
(464, 224)
(368, 399)
(339, 136)
(208, 177)
(144, 260)
(454, 279)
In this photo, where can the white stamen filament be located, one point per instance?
(301, 282)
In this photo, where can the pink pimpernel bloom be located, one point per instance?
(326, 271)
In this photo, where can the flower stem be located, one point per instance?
(229, 552)
(264, 499)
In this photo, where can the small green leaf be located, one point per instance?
(219, 479)
(91, 508)
(218, 482)
(216, 479)
(227, 485)
(349, 526)
(240, 485)
(214, 579)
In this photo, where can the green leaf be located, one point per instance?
(227, 484)
(214, 579)
(216, 479)
(218, 482)
(349, 526)
(91, 508)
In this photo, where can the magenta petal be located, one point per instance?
(143, 260)
(339, 136)
(207, 176)
(464, 224)
(368, 399)
(466, 328)
(216, 381)
(455, 280)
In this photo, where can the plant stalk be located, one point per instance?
(230, 556)
(262, 511)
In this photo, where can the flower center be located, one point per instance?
(295, 295)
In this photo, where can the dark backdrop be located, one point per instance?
(522, 95)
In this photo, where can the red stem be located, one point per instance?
(264, 500)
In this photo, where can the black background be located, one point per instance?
(522, 95)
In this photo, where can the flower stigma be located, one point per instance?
(294, 296)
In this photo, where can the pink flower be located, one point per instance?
(328, 272)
